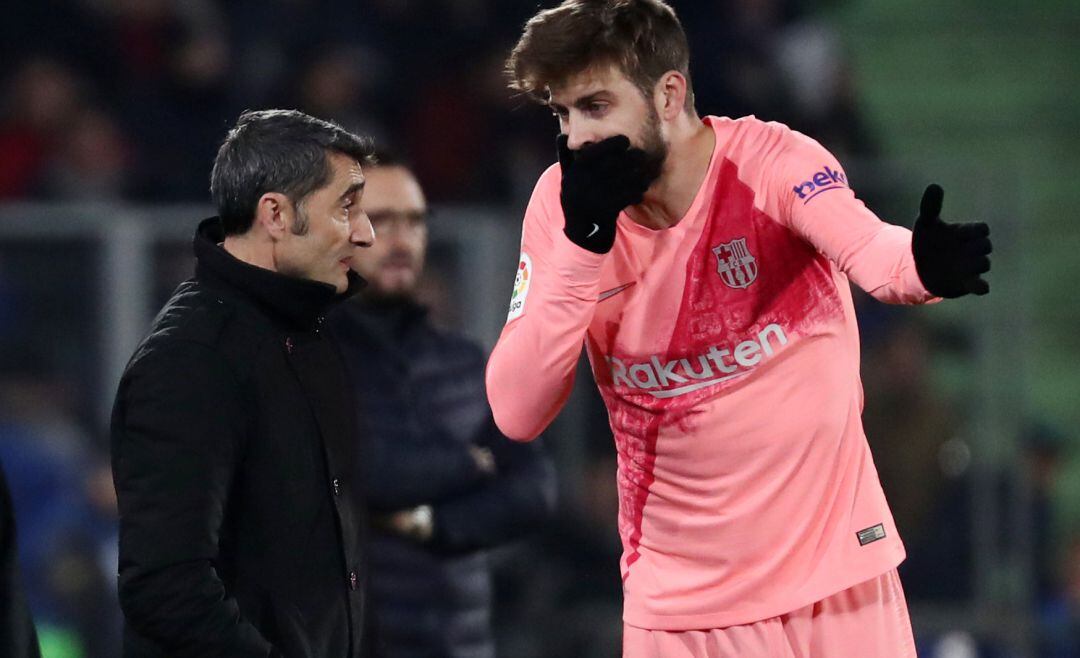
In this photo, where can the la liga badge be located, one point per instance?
(522, 279)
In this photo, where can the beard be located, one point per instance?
(654, 147)
(398, 292)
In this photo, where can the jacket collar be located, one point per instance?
(296, 302)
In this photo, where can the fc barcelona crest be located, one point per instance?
(735, 264)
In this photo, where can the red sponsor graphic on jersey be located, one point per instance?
(792, 296)
(723, 330)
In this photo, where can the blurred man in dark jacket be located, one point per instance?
(233, 432)
(443, 483)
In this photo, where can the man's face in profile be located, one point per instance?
(326, 228)
(398, 211)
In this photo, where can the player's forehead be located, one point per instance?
(598, 78)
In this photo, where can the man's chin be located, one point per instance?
(391, 288)
(340, 283)
(397, 283)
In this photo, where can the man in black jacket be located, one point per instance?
(233, 433)
(443, 483)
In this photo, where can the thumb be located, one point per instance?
(930, 207)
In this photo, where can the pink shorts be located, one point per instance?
(869, 620)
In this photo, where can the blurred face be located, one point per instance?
(602, 102)
(326, 228)
(398, 211)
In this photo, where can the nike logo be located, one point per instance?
(614, 291)
(595, 228)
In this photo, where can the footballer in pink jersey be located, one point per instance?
(704, 265)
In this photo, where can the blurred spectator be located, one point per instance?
(564, 596)
(443, 484)
(463, 162)
(17, 636)
(66, 30)
(41, 97)
(1044, 451)
(941, 557)
(39, 296)
(926, 466)
(267, 37)
(86, 571)
(92, 161)
(66, 537)
(907, 423)
(1059, 614)
(175, 72)
(771, 58)
(337, 84)
(821, 85)
(734, 65)
(173, 66)
(490, 154)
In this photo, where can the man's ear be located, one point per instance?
(671, 95)
(273, 212)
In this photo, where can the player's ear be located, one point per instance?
(671, 90)
(272, 213)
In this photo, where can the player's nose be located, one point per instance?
(578, 135)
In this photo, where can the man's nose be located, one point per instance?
(578, 135)
(362, 233)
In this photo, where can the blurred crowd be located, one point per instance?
(127, 100)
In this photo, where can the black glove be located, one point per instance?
(598, 181)
(949, 257)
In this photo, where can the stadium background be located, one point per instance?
(111, 111)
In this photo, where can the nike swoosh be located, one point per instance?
(614, 291)
(595, 228)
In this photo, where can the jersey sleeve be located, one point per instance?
(816, 201)
(531, 370)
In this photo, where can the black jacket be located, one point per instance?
(420, 395)
(233, 436)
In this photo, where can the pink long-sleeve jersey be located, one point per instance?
(727, 353)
